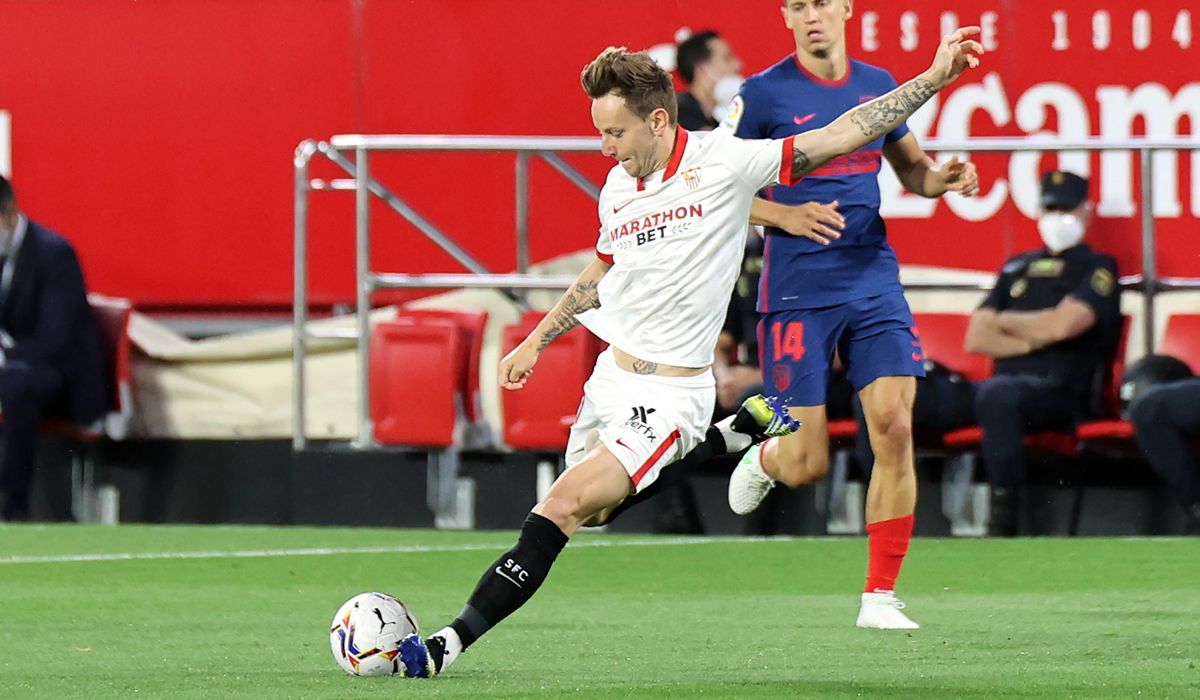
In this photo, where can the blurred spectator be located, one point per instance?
(51, 355)
(1166, 421)
(1052, 322)
(712, 73)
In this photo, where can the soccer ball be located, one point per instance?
(366, 633)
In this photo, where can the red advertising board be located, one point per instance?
(158, 136)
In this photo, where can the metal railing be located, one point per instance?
(548, 149)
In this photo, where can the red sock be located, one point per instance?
(887, 542)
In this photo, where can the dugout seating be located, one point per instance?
(112, 316)
(539, 416)
(418, 373)
(1181, 339)
(477, 432)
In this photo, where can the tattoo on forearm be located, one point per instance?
(644, 367)
(879, 116)
(583, 296)
(801, 164)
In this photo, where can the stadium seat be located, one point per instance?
(472, 325)
(942, 337)
(538, 417)
(416, 375)
(112, 315)
(1181, 339)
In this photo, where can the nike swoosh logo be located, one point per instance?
(510, 578)
(618, 441)
(801, 120)
(618, 209)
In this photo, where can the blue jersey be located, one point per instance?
(799, 273)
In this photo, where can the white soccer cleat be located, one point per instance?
(881, 611)
(749, 484)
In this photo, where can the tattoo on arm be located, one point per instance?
(801, 164)
(583, 296)
(879, 116)
(644, 367)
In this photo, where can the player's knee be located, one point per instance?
(893, 435)
(563, 510)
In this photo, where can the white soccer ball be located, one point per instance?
(366, 633)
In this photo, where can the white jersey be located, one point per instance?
(675, 240)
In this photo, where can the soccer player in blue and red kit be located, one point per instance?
(827, 290)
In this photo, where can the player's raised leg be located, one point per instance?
(584, 491)
(797, 347)
(795, 460)
(891, 498)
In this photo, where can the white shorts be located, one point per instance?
(646, 421)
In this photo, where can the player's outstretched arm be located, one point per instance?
(923, 176)
(812, 220)
(873, 119)
(583, 294)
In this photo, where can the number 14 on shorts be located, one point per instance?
(787, 340)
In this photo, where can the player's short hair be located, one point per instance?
(633, 76)
(7, 196)
(693, 51)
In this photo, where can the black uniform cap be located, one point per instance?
(1063, 191)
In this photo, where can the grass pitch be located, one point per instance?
(165, 612)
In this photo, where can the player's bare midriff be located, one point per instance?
(633, 364)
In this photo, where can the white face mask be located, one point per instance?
(1060, 230)
(723, 93)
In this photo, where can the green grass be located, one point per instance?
(1026, 618)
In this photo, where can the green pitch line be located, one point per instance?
(646, 618)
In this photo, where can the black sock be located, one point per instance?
(511, 580)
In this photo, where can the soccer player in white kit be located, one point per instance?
(673, 216)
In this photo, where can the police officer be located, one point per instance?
(1166, 422)
(1052, 323)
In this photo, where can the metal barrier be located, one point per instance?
(548, 149)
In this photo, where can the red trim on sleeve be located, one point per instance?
(606, 258)
(662, 450)
(785, 163)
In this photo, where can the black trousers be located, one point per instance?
(1007, 407)
(26, 393)
(1166, 422)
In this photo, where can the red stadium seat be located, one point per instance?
(472, 324)
(842, 432)
(1181, 339)
(538, 417)
(942, 336)
(416, 376)
(112, 315)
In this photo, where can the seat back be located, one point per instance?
(1181, 339)
(416, 374)
(112, 316)
(942, 336)
(472, 325)
(1110, 392)
(536, 417)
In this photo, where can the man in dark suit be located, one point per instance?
(51, 354)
